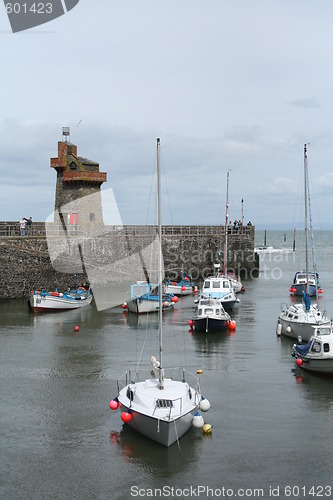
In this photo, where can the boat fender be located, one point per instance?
(198, 421)
(278, 329)
(204, 404)
(288, 329)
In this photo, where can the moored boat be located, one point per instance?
(297, 320)
(183, 287)
(220, 288)
(317, 355)
(144, 298)
(210, 316)
(162, 408)
(303, 281)
(43, 301)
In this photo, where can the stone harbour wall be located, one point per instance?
(25, 262)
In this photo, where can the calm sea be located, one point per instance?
(272, 424)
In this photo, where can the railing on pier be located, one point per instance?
(8, 229)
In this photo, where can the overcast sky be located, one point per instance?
(225, 84)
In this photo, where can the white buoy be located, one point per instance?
(278, 329)
(204, 404)
(198, 421)
(288, 329)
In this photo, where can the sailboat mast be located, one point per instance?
(160, 291)
(306, 216)
(225, 257)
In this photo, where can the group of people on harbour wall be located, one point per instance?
(26, 222)
(234, 227)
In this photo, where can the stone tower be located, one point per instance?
(78, 204)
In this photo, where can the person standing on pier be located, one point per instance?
(29, 225)
(22, 226)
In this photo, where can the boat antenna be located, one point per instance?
(225, 257)
(159, 219)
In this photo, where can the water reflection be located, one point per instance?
(161, 461)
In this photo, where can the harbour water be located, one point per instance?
(272, 424)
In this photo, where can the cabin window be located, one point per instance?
(326, 347)
(324, 331)
(216, 284)
(217, 312)
(209, 310)
(225, 284)
(207, 284)
(164, 403)
(200, 311)
(316, 347)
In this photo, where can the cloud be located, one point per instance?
(307, 103)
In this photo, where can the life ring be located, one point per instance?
(81, 288)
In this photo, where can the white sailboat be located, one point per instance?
(235, 280)
(161, 408)
(297, 320)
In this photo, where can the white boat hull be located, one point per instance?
(46, 303)
(296, 322)
(164, 424)
(143, 306)
(178, 290)
(161, 431)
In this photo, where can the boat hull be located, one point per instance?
(179, 290)
(319, 366)
(209, 325)
(39, 303)
(142, 306)
(298, 290)
(295, 329)
(161, 431)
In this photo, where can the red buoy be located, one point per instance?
(191, 322)
(114, 404)
(232, 325)
(183, 288)
(174, 299)
(126, 416)
(76, 328)
(299, 361)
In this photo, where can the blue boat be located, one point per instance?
(300, 283)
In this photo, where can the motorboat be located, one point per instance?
(317, 355)
(210, 316)
(302, 281)
(220, 288)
